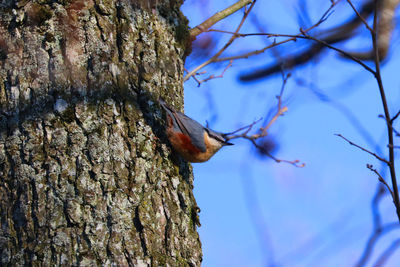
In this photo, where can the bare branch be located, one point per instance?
(236, 34)
(212, 76)
(256, 52)
(233, 38)
(376, 216)
(302, 35)
(344, 53)
(395, 117)
(359, 15)
(378, 228)
(387, 253)
(378, 77)
(391, 121)
(363, 149)
(377, 233)
(218, 17)
(335, 35)
(247, 127)
(323, 18)
(295, 162)
(385, 21)
(385, 25)
(263, 131)
(380, 178)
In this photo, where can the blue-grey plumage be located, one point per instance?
(193, 141)
(186, 125)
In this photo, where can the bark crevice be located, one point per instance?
(85, 165)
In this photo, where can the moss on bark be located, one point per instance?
(86, 174)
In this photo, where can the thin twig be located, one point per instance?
(344, 53)
(256, 52)
(247, 127)
(285, 78)
(377, 226)
(263, 131)
(387, 253)
(233, 37)
(380, 178)
(236, 34)
(194, 76)
(384, 26)
(376, 216)
(395, 117)
(212, 76)
(394, 130)
(303, 35)
(378, 77)
(337, 34)
(359, 15)
(323, 18)
(363, 149)
(218, 17)
(377, 233)
(295, 162)
(280, 112)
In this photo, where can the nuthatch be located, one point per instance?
(194, 142)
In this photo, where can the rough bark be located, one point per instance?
(86, 174)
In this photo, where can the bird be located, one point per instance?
(193, 141)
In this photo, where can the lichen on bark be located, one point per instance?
(86, 174)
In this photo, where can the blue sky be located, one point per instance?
(255, 211)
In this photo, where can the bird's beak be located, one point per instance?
(228, 144)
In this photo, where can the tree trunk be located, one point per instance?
(86, 174)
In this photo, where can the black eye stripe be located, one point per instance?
(216, 136)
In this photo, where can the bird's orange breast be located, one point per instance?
(182, 144)
(186, 144)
